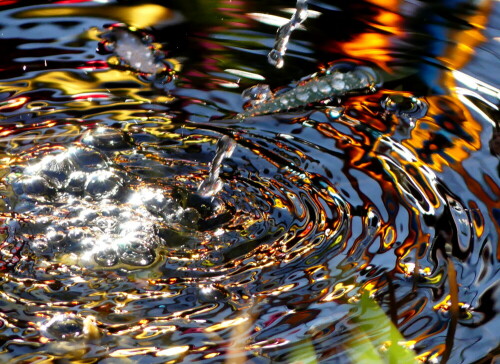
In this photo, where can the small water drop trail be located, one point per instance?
(213, 184)
(277, 54)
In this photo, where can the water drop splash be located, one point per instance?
(135, 50)
(277, 54)
(132, 50)
(406, 108)
(213, 184)
(339, 80)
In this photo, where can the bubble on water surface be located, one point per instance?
(63, 327)
(105, 138)
(103, 184)
(407, 108)
(76, 182)
(87, 158)
(54, 168)
(107, 257)
(33, 186)
(257, 94)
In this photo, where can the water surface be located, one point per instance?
(388, 197)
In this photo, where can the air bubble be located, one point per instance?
(189, 218)
(324, 88)
(87, 159)
(107, 257)
(257, 94)
(76, 182)
(54, 168)
(154, 201)
(302, 96)
(335, 111)
(103, 184)
(135, 258)
(406, 108)
(55, 237)
(76, 234)
(63, 327)
(105, 139)
(338, 85)
(33, 185)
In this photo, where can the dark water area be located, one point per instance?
(356, 227)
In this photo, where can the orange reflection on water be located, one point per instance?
(372, 47)
(464, 41)
(376, 46)
(447, 135)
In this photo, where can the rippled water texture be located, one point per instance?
(342, 226)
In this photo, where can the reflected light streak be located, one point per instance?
(227, 323)
(173, 350)
(313, 14)
(475, 84)
(462, 93)
(123, 353)
(245, 74)
(273, 20)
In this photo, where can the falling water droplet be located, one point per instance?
(276, 55)
(212, 184)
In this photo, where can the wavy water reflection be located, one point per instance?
(353, 225)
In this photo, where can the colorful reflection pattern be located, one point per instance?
(108, 254)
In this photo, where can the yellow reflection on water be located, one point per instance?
(140, 16)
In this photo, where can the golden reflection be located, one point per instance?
(211, 355)
(227, 323)
(372, 47)
(140, 16)
(338, 292)
(375, 45)
(71, 83)
(13, 103)
(123, 353)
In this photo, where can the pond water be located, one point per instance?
(335, 226)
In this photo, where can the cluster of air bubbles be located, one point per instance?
(83, 206)
(134, 49)
(349, 74)
(406, 108)
(78, 170)
(89, 211)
